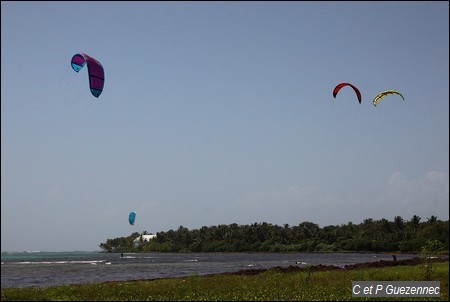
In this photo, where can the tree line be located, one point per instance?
(371, 235)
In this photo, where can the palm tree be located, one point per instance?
(432, 219)
(399, 223)
(415, 221)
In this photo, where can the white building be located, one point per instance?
(145, 238)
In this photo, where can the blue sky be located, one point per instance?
(217, 113)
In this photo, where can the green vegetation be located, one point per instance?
(271, 285)
(371, 236)
(430, 251)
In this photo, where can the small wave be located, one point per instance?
(63, 262)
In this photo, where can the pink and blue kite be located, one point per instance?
(95, 71)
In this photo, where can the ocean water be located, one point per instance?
(41, 269)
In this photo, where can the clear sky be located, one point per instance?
(218, 113)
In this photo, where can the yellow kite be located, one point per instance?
(385, 93)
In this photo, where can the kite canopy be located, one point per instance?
(95, 71)
(338, 87)
(131, 218)
(385, 93)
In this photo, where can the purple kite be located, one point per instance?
(338, 87)
(95, 71)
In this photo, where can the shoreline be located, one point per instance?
(274, 285)
(287, 269)
(312, 268)
(321, 267)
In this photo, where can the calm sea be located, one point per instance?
(41, 269)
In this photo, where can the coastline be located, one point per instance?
(157, 267)
(311, 268)
(321, 268)
(327, 283)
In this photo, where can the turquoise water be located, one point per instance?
(40, 269)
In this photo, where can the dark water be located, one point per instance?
(40, 269)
